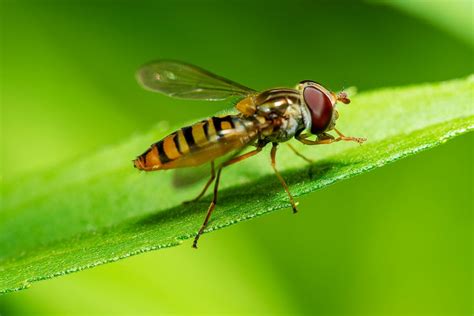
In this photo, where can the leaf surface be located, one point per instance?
(99, 209)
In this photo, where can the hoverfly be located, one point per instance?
(271, 116)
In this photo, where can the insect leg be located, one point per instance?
(359, 140)
(325, 139)
(297, 153)
(282, 181)
(308, 160)
(216, 187)
(211, 179)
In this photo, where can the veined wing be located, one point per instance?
(185, 81)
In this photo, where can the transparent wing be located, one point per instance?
(181, 80)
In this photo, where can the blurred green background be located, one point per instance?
(397, 241)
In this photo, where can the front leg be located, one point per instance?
(325, 138)
(359, 140)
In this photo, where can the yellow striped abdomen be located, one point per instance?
(199, 143)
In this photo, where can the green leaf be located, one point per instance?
(100, 209)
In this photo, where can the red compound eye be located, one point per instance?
(320, 107)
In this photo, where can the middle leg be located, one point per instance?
(282, 181)
(297, 153)
(212, 206)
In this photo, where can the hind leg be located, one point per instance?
(212, 206)
(203, 191)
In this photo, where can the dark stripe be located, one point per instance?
(218, 120)
(188, 135)
(161, 152)
(143, 156)
(266, 96)
(217, 124)
(276, 98)
(205, 127)
(176, 143)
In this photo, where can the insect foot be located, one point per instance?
(293, 206)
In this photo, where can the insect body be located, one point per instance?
(272, 116)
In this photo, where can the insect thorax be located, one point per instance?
(283, 113)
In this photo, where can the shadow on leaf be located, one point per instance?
(231, 199)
